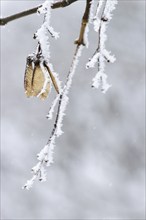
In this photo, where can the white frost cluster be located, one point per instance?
(96, 20)
(101, 54)
(86, 36)
(45, 157)
(64, 94)
(42, 33)
(92, 61)
(51, 110)
(91, 15)
(101, 80)
(110, 6)
(42, 36)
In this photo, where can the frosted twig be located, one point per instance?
(45, 157)
(42, 33)
(43, 51)
(101, 54)
(63, 100)
(51, 110)
(92, 61)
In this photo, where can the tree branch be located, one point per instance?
(64, 3)
(85, 19)
(4, 21)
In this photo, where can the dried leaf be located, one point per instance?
(28, 78)
(34, 81)
(37, 80)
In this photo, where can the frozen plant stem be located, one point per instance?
(45, 157)
(100, 21)
(39, 75)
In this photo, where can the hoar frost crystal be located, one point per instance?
(40, 76)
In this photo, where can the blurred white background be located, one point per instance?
(99, 160)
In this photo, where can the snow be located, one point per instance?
(91, 12)
(86, 36)
(66, 88)
(101, 80)
(51, 110)
(45, 157)
(42, 37)
(36, 168)
(42, 33)
(42, 155)
(97, 23)
(101, 54)
(53, 33)
(43, 174)
(92, 61)
(110, 58)
(98, 9)
(64, 101)
(103, 36)
(96, 20)
(44, 8)
(110, 6)
(29, 183)
(51, 146)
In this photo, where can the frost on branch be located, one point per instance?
(102, 17)
(42, 34)
(63, 96)
(49, 116)
(39, 73)
(40, 76)
(45, 157)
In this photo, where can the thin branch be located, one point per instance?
(99, 29)
(4, 21)
(63, 93)
(85, 19)
(52, 78)
(45, 156)
(62, 4)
